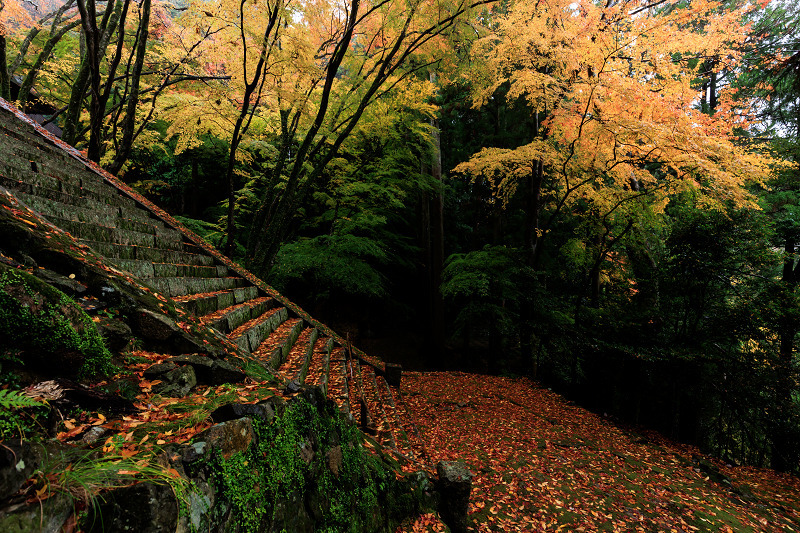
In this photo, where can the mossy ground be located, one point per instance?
(42, 321)
(361, 493)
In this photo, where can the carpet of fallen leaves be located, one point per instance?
(542, 464)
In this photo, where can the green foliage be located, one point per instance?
(19, 414)
(488, 287)
(41, 320)
(12, 399)
(273, 470)
(344, 262)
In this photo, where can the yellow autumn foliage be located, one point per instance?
(617, 89)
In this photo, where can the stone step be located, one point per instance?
(251, 335)
(354, 381)
(401, 440)
(410, 439)
(64, 193)
(126, 232)
(37, 184)
(381, 425)
(320, 376)
(119, 253)
(286, 336)
(336, 383)
(226, 320)
(27, 148)
(86, 210)
(98, 213)
(299, 355)
(314, 345)
(148, 269)
(183, 286)
(204, 304)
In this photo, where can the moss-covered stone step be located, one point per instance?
(204, 304)
(251, 335)
(149, 269)
(401, 440)
(94, 213)
(228, 319)
(309, 356)
(182, 286)
(299, 355)
(96, 232)
(125, 252)
(24, 144)
(380, 422)
(126, 231)
(336, 382)
(314, 371)
(54, 189)
(285, 342)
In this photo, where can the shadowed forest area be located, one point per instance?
(601, 199)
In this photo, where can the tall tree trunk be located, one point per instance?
(5, 79)
(784, 444)
(92, 32)
(437, 237)
(129, 120)
(247, 111)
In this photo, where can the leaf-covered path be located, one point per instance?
(541, 464)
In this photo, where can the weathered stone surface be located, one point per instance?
(91, 437)
(17, 464)
(291, 515)
(142, 508)
(201, 364)
(55, 335)
(154, 326)
(49, 517)
(225, 372)
(229, 437)
(293, 387)
(307, 452)
(176, 383)
(116, 333)
(266, 410)
(193, 452)
(334, 459)
(63, 283)
(454, 485)
(157, 370)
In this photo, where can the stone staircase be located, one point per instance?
(77, 196)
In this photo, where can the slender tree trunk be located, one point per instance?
(437, 238)
(784, 444)
(92, 32)
(246, 113)
(5, 79)
(44, 55)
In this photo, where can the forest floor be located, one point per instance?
(542, 464)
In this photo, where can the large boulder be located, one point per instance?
(142, 508)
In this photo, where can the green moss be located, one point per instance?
(45, 323)
(363, 495)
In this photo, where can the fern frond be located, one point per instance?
(14, 399)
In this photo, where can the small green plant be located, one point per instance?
(19, 414)
(14, 399)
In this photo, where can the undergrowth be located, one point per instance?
(260, 482)
(41, 320)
